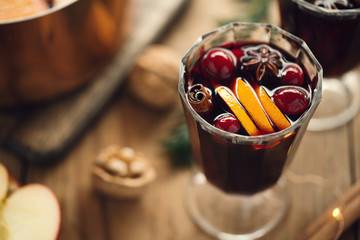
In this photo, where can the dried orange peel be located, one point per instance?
(251, 103)
(274, 113)
(238, 111)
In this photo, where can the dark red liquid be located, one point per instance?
(238, 167)
(334, 40)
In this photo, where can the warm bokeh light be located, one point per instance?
(336, 213)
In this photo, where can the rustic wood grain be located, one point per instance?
(328, 168)
(331, 156)
(354, 136)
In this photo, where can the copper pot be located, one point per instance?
(58, 50)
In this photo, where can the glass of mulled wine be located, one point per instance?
(248, 91)
(331, 28)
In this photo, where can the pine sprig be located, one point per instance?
(178, 146)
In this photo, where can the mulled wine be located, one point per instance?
(249, 89)
(248, 92)
(331, 28)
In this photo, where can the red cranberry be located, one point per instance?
(238, 53)
(291, 100)
(292, 75)
(218, 63)
(227, 122)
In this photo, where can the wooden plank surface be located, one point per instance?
(330, 158)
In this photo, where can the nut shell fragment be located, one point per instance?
(122, 172)
(116, 167)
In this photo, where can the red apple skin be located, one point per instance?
(4, 182)
(14, 184)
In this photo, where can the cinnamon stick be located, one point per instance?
(200, 99)
(329, 227)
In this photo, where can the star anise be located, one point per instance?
(331, 4)
(263, 60)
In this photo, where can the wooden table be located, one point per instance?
(160, 214)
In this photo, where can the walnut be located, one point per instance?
(154, 77)
(122, 172)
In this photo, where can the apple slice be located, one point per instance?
(4, 234)
(32, 212)
(4, 182)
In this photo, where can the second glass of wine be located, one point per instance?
(248, 91)
(332, 31)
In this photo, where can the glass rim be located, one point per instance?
(46, 12)
(260, 139)
(330, 12)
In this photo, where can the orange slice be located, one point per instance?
(274, 113)
(238, 111)
(249, 100)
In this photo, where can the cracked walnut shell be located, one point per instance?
(154, 77)
(122, 172)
